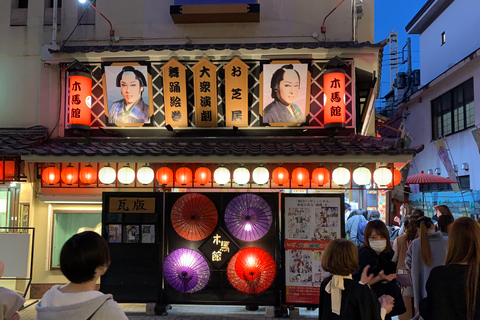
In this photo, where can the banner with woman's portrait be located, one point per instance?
(127, 100)
(285, 93)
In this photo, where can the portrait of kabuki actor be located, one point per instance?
(130, 109)
(285, 87)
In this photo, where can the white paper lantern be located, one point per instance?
(260, 175)
(126, 175)
(221, 175)
(107, 175)
(362, 176)
(382, 176)
(145, 175)
(241, 175)
(341, 176)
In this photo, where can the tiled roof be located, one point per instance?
(228, 46)
(33, 147)
(17, 141)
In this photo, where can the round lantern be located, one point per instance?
(241, 175)
(382, 176)
(164, 175)
(88, 175)
(221, 175)
(280, 176)
(260, 175)
(145, 175)
(126, 175)
(321, 176)
(107, 175)
(183, 175)
(341, 176)
(300, 176)
(69, 175)
(362, 176)
(51, 175)
(203, 175)
(397, 178)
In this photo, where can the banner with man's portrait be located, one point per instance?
(127, 97)
(285, 93)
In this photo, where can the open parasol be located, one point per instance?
(186, 270)
(425, 178)
(251, 270)
(194, 216)
(248, 217)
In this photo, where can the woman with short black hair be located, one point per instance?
(83, 259)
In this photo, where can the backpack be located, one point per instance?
(361, 231)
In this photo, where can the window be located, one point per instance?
(66, 224)
(443, 38)
(463, 181)
(18, 13)
(453, 111)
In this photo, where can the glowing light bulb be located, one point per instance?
(248, 227)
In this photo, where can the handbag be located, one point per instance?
(91, 316)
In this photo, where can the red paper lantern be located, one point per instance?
(203, 175)
(51, 175)
(184, 175)
(397, 178)
(69, 175)
(320, 176)
(80, 100)
(280, 176)
(164, 175)
(334, 100)
(9, 170)
(88, 175)
(300, 176)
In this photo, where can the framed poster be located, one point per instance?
(127, 97)
(285, 92)
(311, 221)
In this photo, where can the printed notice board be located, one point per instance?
(310, 222)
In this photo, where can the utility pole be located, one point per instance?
(393, 57)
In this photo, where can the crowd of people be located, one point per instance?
(430, 270)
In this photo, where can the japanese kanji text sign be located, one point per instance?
(175, 93)
(334, 99)
(131, 205)
(80, 99)
(205, 75)
(236, 93)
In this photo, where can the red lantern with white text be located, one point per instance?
(80, 100)
(280, 176)
(164, 175)
(320, 176)
(300, 176)
(184, 175)
(69, 175)
(88, 175)
(334, 98)
(51, 175)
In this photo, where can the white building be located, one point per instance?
(446, 105)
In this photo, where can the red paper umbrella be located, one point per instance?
(251, 270)
(194, 216)
(424, 178)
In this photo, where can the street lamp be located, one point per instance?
(112, 32)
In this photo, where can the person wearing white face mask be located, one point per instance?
(377, 252)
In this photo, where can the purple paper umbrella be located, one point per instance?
(248, 217)
(186, 270)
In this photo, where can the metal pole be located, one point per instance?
(54, 24)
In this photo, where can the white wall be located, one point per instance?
(461, 144)
(460, 22)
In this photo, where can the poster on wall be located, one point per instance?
(310, 223)
(285, 89)
(127, 101)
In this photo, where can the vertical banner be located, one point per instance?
(476, 136)
(205, 79)
(445, 158)
(311, 222)
(236, 93)
(175, 93)
(334, 102)
(80, 101)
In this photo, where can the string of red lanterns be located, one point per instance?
(280, 177)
